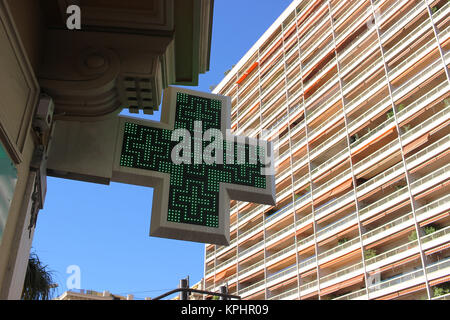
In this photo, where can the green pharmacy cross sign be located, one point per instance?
(195, 166)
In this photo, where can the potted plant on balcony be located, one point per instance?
(370, 253)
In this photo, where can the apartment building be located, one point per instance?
(357, 95)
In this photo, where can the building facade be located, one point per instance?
(356, 94)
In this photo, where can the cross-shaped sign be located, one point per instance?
(194, 167)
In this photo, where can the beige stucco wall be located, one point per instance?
(19, 91)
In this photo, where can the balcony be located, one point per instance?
(429, 152)
(251, 250)
(388, 229)
(422, 102)
(366, 94)
(396, 283)
(378, 131)
(339, 250)
(418, 79)
(384, 203)
(330, 184)
(363, 75)
(376, 157)
(333, 205)
(357, 295)
(324, 167)
(357, 22)
(288, 295)
(337, 226)
(409, 62)
(426, 126)
(401, 23)
(371, 113)
(251, 269)
(433, 208)
(341, 275)
(367, 52)
(380, 179)
(308, 288)
(405, 42)
(327, 143)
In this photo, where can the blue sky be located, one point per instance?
(104, 229)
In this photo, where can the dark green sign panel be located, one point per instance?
(194, 188)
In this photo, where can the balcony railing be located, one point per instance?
(340, 273)
(338, 248)
(338, 223)
(393, 252)
(376, 156)
(330, 182)
(338, 202)
(396, 280)
(443, 114)
(391, 173)
(402, 21)
(286, 294)
(441, 202)
(396, 222)
(352, 295)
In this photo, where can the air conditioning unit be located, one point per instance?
(44, 114)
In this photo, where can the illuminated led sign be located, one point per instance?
(195, 165)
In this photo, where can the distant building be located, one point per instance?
(82, 294)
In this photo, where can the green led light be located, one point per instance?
(194, 188)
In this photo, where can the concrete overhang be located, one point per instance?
(125, 54)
